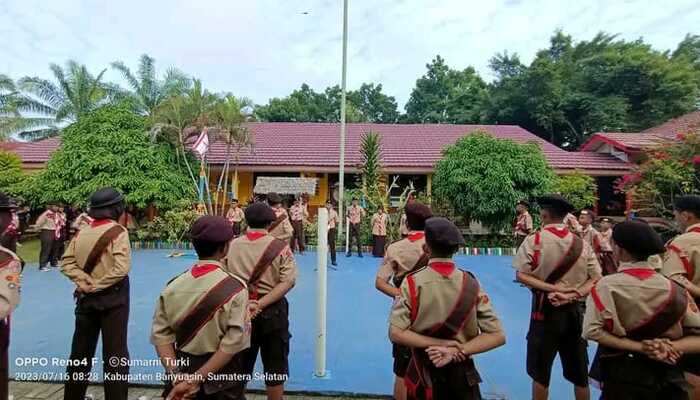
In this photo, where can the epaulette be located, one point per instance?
(417, 270)
(176, 276)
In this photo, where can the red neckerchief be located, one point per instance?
(640, 273)
(561, 233)
(255, 235)
(416, 236)
(694, 230)
(203, 269)
(443, 268)
(99, 222)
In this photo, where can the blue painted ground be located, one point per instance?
(359, 354)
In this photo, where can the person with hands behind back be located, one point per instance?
(642, 321)
(560, 268)
(201, 325)
(444, 317)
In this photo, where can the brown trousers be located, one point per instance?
(331, 243)
(355, 236)
(105, 312)
(47, 246)
(297, 236)
(236, 229)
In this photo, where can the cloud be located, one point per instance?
(266, 49)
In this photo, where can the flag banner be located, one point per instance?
(202, 144)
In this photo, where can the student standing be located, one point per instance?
(523, 223)
(608, 263)
(297, 216)
(235, 217)
(267, 265)
(560, 268)
(445, 318)
(355, 215)
(403, 257)
(46, 224)
(332, 232)
(98, 261)
(60, 236)
(280, 228)
(378, 222)
(202, 334)
(642, 321)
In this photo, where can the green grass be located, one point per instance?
(28, 250)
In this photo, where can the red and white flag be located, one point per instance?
(202, 144)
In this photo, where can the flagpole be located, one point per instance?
(341, 166)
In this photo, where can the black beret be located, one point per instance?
(210, 228)
(555, 202)
(606, 219)
(416, 214)
(524, 203)
(588, 212)
(638, 238)
(6, 203)
(441, 232)
(273, 198)
(259, 214)
(104, 197)
(689, 203)
(234, 200)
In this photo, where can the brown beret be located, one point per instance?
(259, 214)
(441, 232)
(638, 238)
(273, 198)
(210, 228)
(416, 214)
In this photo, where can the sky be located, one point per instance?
(267, 48)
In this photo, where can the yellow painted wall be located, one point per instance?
(245, 186)
(322, 188)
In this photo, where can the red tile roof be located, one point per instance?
(625, 141)
(684, 124)
(407, 147)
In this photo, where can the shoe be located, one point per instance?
(359, 255)
(348, 255)
(335, 264)
(44, 269)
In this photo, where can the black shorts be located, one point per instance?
(270, 336)
(402, 356)
(559, 332)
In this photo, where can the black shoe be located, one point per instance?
(348, 255)
(335, 264)
(359, 255)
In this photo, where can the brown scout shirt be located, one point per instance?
(553, 248)
(682, 258)
(228, 330)
(622, 301)
(355, 214)
(592, 237)
(402, 256)
(605, 240)
(114, 264)
(235, 214)
(244, 253)
(283, 230)
(437, 294)
(297, 212)
(403, 225)
(332, 219)
(46, 221)
(379, 224)
(523, 225)
(9, 283)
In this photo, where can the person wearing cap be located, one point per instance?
(98, 261)
(267, 265)
(235, 217)
(608, 264)
(332, 230)
(403, 257)
(10, 275)
(280, 228)
(681, 263)
(523, 223)
(445, 318)
(297, 214)
(560, 268)
(202, 334)
(378, 223)
(355, 215)
(642, 322)
(46, 224)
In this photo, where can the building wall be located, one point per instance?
(321, 188)
(245, 186)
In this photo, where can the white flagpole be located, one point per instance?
(321, 288)
(341, 167)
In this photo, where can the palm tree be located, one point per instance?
(46, 107)
(148, 91)
(11, 103)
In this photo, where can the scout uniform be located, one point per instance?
(202, 311)
(378, 234)
(264, 262)
(355, 214)
(100, 256)
(403, 257)
(571, 223)
(638, 303)
(297, 215)
(608, 264)
(403, 227)
(59, 237)
(83, 221)
(555, 255)
(10, 272)
(46, 224)
(332, 233)
(235, 217)
(523, 224)
(11, 234)
(281, 228)
(443, 301)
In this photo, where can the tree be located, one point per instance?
(672, 169)
(110, 146)
(11, 102)
(483, 177)
(74, 94)
(148, 91)
(10, 170)
(444, 95)
(573, 89)
(578, 188)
